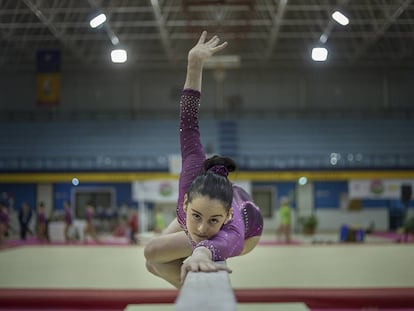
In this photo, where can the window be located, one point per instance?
(101, 197)
(264, 198)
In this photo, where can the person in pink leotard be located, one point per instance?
(216, 219)
(68, 221)
(90, 227)
(42, 223)
(4, 222)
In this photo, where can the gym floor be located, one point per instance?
(316, 271)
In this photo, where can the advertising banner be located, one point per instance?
(164, 191)
(377, 188)
(157, 191)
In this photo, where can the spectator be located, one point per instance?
(68, 221)
(90, 227)
(285, 218)
(4, 222)
(133, 226)
(159, 221)
(42, 223)
(25, 215)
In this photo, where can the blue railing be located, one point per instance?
(245, 162)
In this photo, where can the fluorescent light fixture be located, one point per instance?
(222, 61)
(319, 54)
(323, 38)
(340, 18)
(119, 56)
(97, 20)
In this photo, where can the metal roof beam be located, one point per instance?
(380, 31)
(159, 18)
(274, 32)
(52, 28)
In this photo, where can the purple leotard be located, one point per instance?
(68, 217)
(90, 213)
(247, 220)
(41, 217)
(4, 218)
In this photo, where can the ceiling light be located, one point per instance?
(97, 20)
(319, 54)
(114, 39)
(323, 38)
(119, 56)
(340, 18)
(302, 181)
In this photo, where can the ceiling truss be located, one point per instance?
(158, 33)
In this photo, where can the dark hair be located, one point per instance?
(219, 160)
(213, 181)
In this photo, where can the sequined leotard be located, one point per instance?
(247, 220)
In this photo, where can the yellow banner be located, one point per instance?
(237, 176)
(48, 89)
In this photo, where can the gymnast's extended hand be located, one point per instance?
(203, 50)
(200, 261)
(197, 56)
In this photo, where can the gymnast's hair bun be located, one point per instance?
(220, 165)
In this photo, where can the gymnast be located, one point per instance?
(216, 219)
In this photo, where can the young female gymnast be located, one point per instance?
(215, 218)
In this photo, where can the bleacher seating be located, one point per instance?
(145, 144)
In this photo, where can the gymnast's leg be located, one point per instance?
(166, 253)
(250, 244)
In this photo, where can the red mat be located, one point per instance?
(58, 299)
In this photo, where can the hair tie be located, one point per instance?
(219, 170)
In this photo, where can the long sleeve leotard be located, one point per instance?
(246, 221)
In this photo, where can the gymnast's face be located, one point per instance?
(205, 217)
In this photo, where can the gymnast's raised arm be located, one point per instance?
(196, 58)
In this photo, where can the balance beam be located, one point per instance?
(206, 291)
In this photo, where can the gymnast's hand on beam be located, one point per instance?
(200, 261)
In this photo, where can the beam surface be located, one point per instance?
(205, 291)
